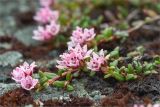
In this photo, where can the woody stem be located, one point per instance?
(51, 81)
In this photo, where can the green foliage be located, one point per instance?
(115, 53)
(70, 88)
(44, 77)
(68, 76)
(106, 34)
(59, 84)
(132, 70)
(86, 21)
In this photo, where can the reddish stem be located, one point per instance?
(51, 81)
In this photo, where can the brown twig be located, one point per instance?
(143, 23)
(51, 81)
(134, 28)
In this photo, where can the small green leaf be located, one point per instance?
(59, 84)
(115, 52)
(157, 60)
(60, 71)
(41, 74)
(43, 80)
(118, 76)
(68, 76)
(122, 68)
(92, 73)
(45, 85)
(138, 67)
(107, 76)
(108, 32)
(150, 72)
(140, 49)
(149, 66)
(114, 63)
(50, 75)
(131, 77)
(70, 88)
(126, 70)
(130, 68)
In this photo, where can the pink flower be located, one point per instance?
(17, 74)
(28, 83)
(82, 52)
(46, 3)
(53, 28)
(96, 61)
(70, 59)
(77, 36)
(28, 69)
(41, 34)
(71, 44)
(46, 33)
(89, 34)
(46, 15)
(73, 57)
(80, 36)
(23, 75)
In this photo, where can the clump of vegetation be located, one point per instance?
(83, 54)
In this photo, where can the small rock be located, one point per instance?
(7, 87)
(25, 36)
(55, 93)
(10, 58)
(96, 95)
(54, 53)
(5, 45)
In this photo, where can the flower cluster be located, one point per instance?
(46, 33)
(46, 3)
(97, 60)
(77, 54)
(47, 16)
(78, 58)
(23, 75)
(81, 36)
(74, 56)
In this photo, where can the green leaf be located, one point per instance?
(149, 66)
(60, 71)
(70, 88)
(122, 68)
(43, 80)
(150, 72)
(50, 75)
(108, 32)
(140, 49)
(126, 70)
(115, 52)
(92, 73)
(157, 60)
(114, 63)
(59, 84)
(138, 66)
(130, 68)
(45, 85)
(118, 76)
(41, 74)
(68, 76)
(107, 76)
(131, 77)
